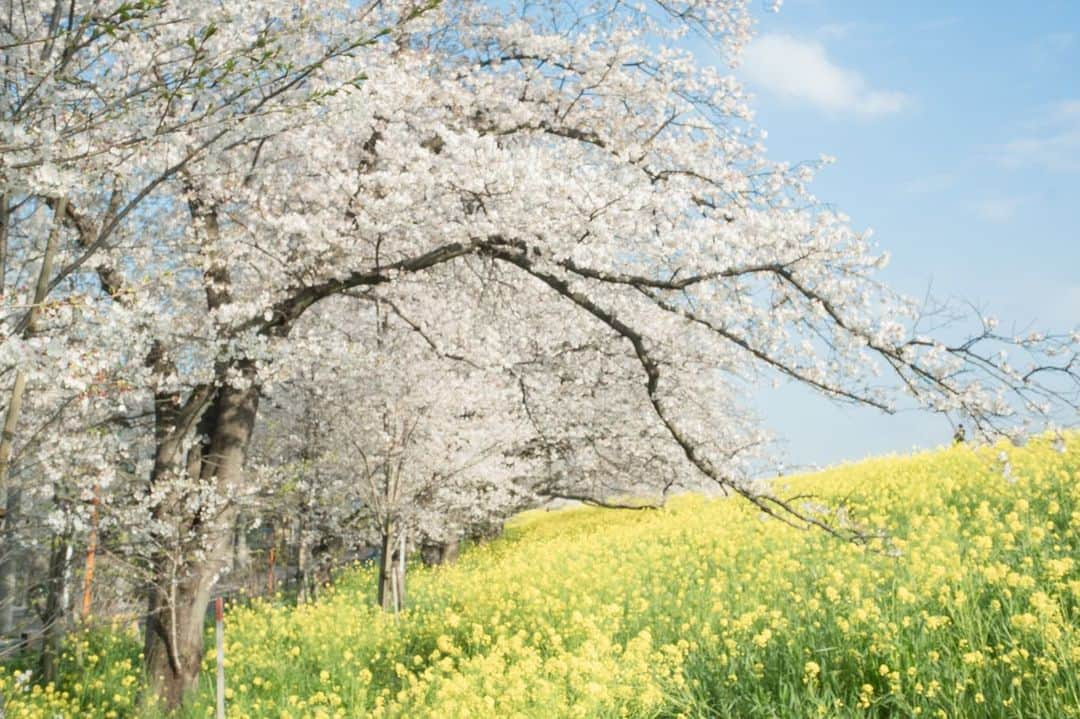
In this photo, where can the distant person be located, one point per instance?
(959, 435)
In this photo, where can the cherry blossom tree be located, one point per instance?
(105, 108)
(385, 440)
(554, 192)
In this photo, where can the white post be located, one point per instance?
(219, 621)
(401, 571)
(395, 601)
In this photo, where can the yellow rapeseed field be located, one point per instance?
(970, 608)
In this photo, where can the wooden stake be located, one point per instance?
(219, 622)
(270, 577)
(91, 554)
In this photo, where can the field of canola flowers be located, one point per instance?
(703, 609)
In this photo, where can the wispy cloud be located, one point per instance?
(801, 71)
(1053, 143)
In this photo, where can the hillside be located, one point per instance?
(705, 608)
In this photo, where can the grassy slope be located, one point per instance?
(702, 609)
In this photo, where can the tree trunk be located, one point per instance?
(391, 572)
(9, 563)
(54, 617)
(385, 564)
(303, 563)
(11, 421)
(389, 595)
(174, 631)
(271, 562)
(29, 328)
(184, 580)
(241, 551)
(449, 551)
(434, 554)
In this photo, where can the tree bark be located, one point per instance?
(437, 553)
(388, 597)
(18, 389)
(271, 564)
(448, 551)
(304, 591)
(54, 617)
(5, 223)
(184, 579)
(391, 595)
(174, 630)
(9, 563)
(241, 550)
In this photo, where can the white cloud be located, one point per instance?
(1054, 143)
(801, 70)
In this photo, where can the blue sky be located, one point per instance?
(957, 132)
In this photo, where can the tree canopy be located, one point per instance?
(543, 227)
